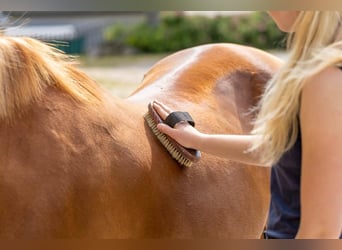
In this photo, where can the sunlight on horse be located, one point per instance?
(78, 162)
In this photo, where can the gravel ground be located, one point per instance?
(120, 81)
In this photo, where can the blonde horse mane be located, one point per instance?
(29, 66)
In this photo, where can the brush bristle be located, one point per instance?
(166, 142)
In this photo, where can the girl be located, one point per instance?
(297, 131)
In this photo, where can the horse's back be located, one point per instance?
(219, 85)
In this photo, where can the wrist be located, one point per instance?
(199, 141)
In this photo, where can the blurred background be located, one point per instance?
(117, 48)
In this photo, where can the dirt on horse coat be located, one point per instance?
(77, 162)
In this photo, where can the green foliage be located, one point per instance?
(176, 32)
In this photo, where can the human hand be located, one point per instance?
(183, 132)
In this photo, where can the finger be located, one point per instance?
(164, 128)
(160, 110)
(163, 106)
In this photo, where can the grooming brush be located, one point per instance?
(184, 156)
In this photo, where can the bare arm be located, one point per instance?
(233, 147)
(321, 123)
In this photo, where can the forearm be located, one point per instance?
(233, 147)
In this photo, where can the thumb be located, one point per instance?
(164, 128)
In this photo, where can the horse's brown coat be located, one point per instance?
(80, 170)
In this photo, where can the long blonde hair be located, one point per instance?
(314, 45)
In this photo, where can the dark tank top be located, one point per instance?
(284, 212)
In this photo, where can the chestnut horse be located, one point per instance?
(76, 162)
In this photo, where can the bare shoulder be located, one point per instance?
(321, 104)
(321, 122)
(327, 83)
(330, 73)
